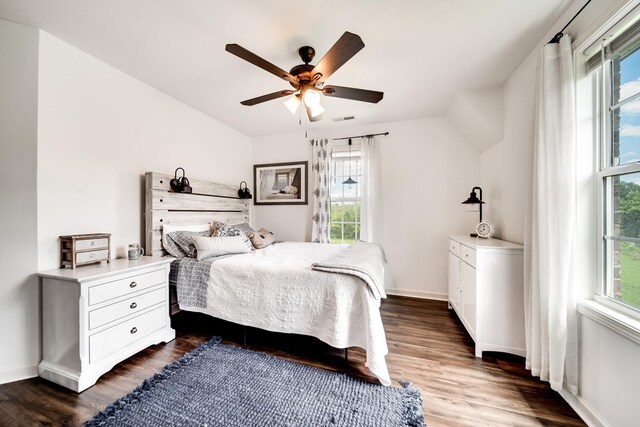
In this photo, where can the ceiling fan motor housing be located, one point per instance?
(306, 53)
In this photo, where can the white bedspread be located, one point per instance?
(276, 289)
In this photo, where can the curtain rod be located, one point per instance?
(559, 35)
(362, 136)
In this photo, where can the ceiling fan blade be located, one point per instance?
(343, 50)
(251, 57)
(353, 93)
(265, 98)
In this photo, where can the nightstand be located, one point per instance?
(94, 317)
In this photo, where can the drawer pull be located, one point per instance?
(133, 284)
(92, 255)
(466, 255)
(134, 330)
(133, 305)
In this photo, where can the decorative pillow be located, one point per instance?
(209, 247)
(180, 243)
(262, 238)
(244, 226)
(291, 190)
(169, 228)
(223, 230)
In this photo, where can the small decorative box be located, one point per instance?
(81, 249)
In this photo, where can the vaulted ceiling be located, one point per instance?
(420, 53)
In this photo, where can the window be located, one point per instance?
(345, 198)
(619, 173)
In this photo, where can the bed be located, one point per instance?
(274, 288)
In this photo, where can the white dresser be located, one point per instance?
(95, 316)
(486, 290)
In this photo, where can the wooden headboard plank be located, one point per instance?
(168, 200)
(161, 182)
(159, 218)
(208, 202)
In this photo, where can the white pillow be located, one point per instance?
(291, 190)
(208, 247)
(168, 228)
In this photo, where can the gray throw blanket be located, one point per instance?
(191, 278)
(361, 259)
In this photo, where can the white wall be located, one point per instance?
(77, 136)
(506, 167)
(99, 131)
(19, 301)
(609, 374)
(428, 168)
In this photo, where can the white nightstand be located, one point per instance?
(94, 317)
(486, 290)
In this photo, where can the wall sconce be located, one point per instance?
(244, 193)
(474, 200)
(180, 185)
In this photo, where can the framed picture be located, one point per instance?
(281, 183)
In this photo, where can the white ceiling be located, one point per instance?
(420, 53)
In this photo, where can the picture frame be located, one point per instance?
(281, 183)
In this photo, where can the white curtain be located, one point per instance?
(371, 192)
(321, 194)
(550, 301)
(267, 180)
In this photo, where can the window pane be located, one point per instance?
(349, 233)
(623, 218)
(350, 190)
(336, 188)
(625, 120)
(349, 212)
(336, 212)
(626, 77)
(625, 136)
(336, 233)
(624, 272)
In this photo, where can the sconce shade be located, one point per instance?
(244, 193)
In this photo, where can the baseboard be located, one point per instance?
(583, 409)
(18, 373)
(417, 294)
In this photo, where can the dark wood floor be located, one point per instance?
(427, 346)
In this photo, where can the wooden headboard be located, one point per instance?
(209, 201)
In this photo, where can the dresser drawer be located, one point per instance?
(119, 336)
(82, 245)
(112, 312)
(468, 255)
(127, 285)
(92, 256)
(454, 247)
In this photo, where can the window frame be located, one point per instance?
(351, 199)
(606, 169)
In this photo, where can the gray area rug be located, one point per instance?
(221, 385)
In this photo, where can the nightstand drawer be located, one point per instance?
(127, 285)
(92, 256)
(82, 245)
(468, 255)
(454, 247)
(113, 312)
(119, 336)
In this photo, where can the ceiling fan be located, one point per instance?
(308, 80)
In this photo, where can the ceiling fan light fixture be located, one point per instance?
(311, 98)
(292, 103)
(316, 110)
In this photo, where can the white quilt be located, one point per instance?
(276, 289)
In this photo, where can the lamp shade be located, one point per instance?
(350, 181)
(473, 200)
(292, 103)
